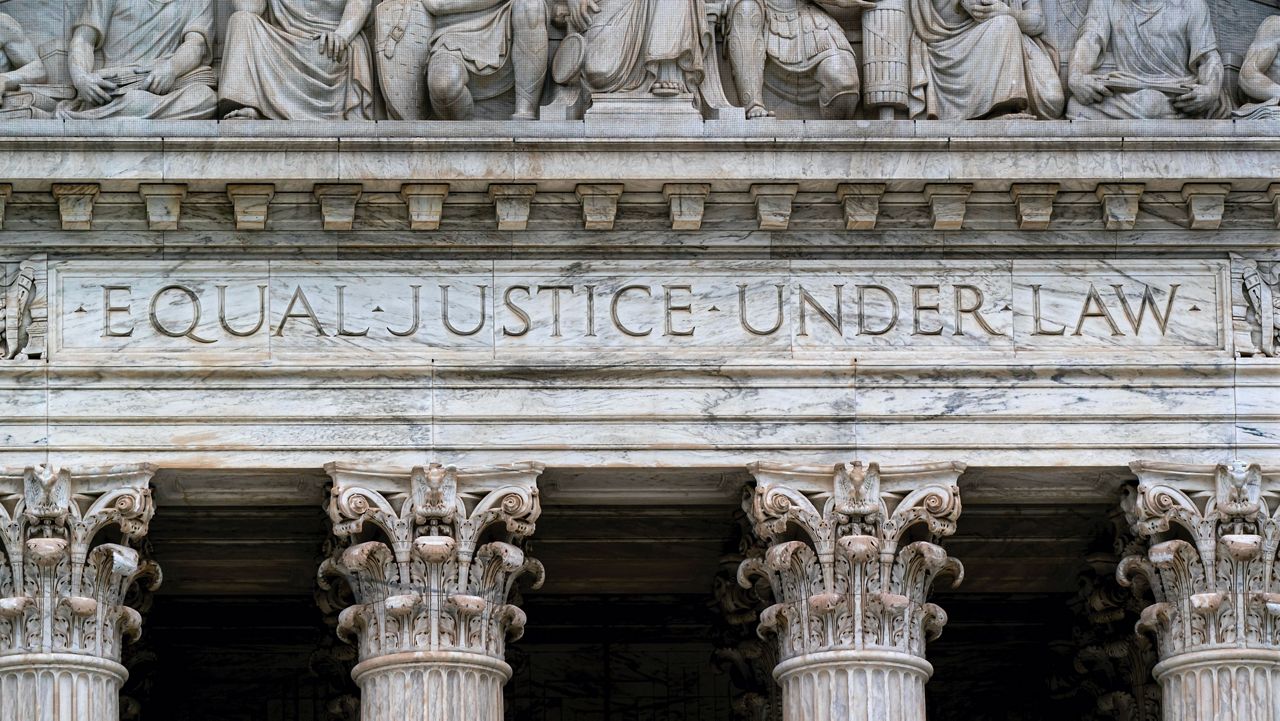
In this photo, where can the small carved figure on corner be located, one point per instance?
(297, 60)
(797, 50)
(15, 312)
(1260, 285)
(1166, 59)
(156, 59)
(20, 65)
(1260, 74)
(982, 59)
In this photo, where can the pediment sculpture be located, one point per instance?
(142, 59)
(297, 60)
(363, 60)
(1167, 64)
(1260, 74)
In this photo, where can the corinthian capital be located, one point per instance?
(62, 586)
(432, 555)
(1212, 534)
(853, 553)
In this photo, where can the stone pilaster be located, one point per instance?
(853, 553)
(1210, 562)
(68, 560)
(432, 556)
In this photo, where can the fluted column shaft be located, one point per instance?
(63, 618)
(1210, 562)
(432, 557)
(852, 615)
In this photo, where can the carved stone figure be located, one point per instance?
(637, 46)
(481, 49)
(981, 59)
(156, 59)
(297, 60)
(1260, 287)
(798, 50)
(17, 301)
(20, 65)
(1166, 62)
(1260, 75)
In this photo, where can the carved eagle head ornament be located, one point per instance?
(1239, 489)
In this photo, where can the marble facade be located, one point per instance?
(456, 272)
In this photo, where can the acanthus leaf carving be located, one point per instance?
(842, 560)
(433, 557)
(63, 588)
(1210, 561)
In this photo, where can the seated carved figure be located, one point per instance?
(1166, 59)
(1260, 74)
(155, 61)
(19, 63)
(981, 59)
(641, 46)
(297, 60)
(484, 47)
(798, 50)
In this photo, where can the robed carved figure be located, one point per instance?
(1166, 62)
(19, 62)
(297, 60)
(982, 58)
(156, 57)
(637, 46)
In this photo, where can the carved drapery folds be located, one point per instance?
(432, 557)
(68, 557)
(1211, 566)
(853, 553)
(308, 60)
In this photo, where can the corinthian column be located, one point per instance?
(67, 561)
(432, 556)
(852, 556)
(1210, 562)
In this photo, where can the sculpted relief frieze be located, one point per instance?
(331, 60)
(299, 310)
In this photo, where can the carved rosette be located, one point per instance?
(1211, 566)
(432, 557)
(68, 559)
(853, 553)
